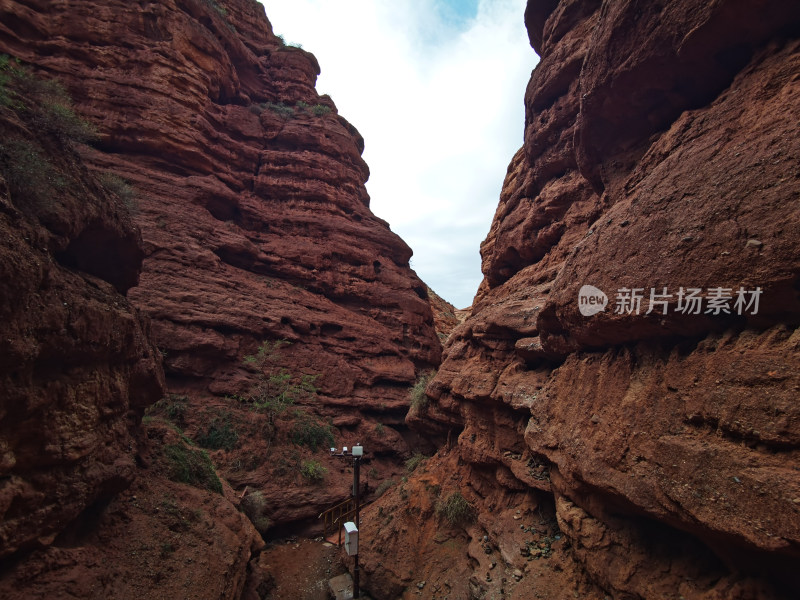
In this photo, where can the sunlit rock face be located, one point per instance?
(661, 160)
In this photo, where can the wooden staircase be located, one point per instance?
(334, 519)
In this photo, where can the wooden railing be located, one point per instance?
(336, 517)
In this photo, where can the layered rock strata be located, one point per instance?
(446, 317)
(660, 157)
(157, 539)
(77, 365)
(251, 223)
(249, 193)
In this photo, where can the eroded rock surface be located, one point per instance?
(159, 538)
(90, 506)
(77, 366)
(251, 197)
(249, 193)
(446, 317)
(661, 151)
(251, 222)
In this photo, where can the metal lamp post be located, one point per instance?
(357, 452)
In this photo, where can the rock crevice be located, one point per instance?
(660, 156)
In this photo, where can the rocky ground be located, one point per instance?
(506, 545)
(300, 568)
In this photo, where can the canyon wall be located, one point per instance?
(626, 440)
(77, 366)
(250, 193)
(248, 189)
(216, 202)
(92, 504)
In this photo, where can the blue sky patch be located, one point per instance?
(457, 12)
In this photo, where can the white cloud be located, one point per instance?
(439, 101)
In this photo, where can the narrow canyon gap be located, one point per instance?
(197, 301)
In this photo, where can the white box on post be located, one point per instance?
(350, 538)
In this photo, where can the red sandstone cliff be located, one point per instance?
(251, 195)
(661, 150)
(620, 454)
(446, 317)
(91, 504)
(250, 223)
(77, 367)
(255, 220)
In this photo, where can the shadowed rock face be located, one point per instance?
(250, 188)
(254, 216)
(77, 366)
(661, 151)
(251, 223)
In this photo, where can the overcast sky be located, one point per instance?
(436, 88)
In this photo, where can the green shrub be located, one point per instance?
(60, 119)
(320, 109)
(176, 409)
(173, 407)
(415, 461)
(380, 429)
(282, 389)
(310, 432)
(48, 106)
(383, 487)
(11, 71)
(42, 103)
(434, 490)
(268, 353)
(276, 389)
(313, 470)
(279, 108)
(262, 524)
(6, 96)
(219, 434)
(29, 174)
(456, 509)
(188, 465)
(417, 394)
(220, 9)
(121, 189)
(286, 464)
